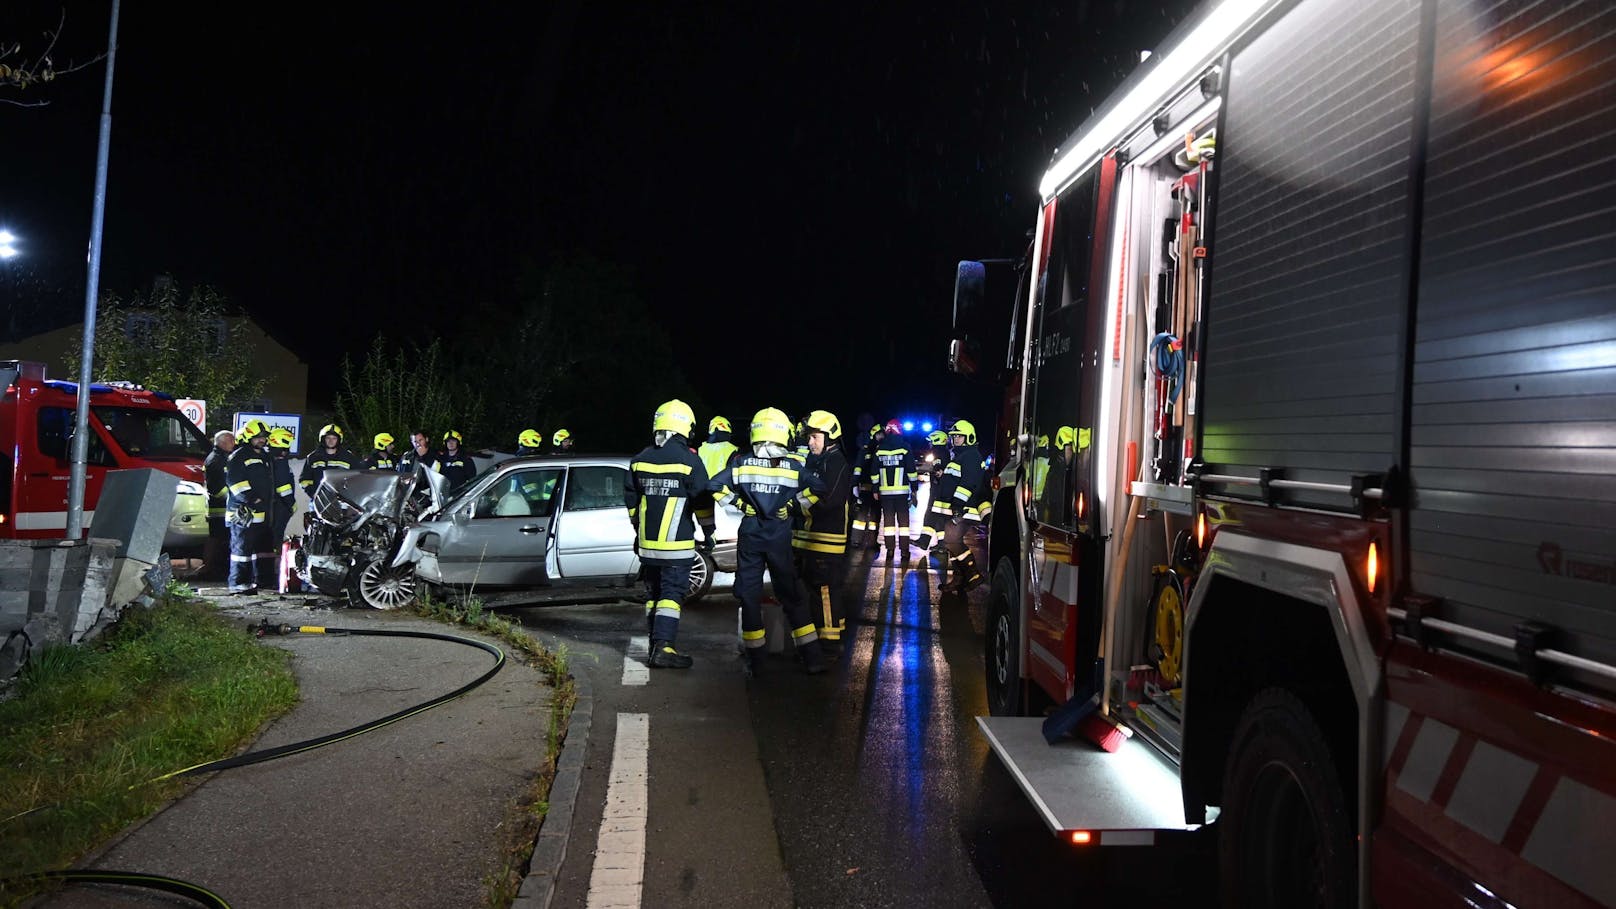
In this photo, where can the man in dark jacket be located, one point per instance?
(420, 453)
(821, 541)
(662, 483)
(381, 453)
(331, 454)
(216, 554)
(866, 506)
(969, 503)
(895, 464)
(768, 485)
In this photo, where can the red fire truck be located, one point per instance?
(129, 427)
(1324, 298)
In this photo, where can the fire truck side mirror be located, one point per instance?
(970, 296)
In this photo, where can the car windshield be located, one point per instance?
(454, 496)
(161, 435)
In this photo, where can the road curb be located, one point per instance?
(550, 848)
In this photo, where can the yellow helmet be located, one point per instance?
(382, 440)
(454, 434)
(280, 437)
(561, 435)
(824, 421)
(938, 437)
(1065, 436)
(718, 424)
(1043, 440)
(964, 428)
(253, 429)
(530, 438)
(673, 416)
(770, 425)
(331, 429)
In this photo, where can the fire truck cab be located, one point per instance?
(1316, 427)
(129, 427)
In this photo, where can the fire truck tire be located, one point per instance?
(1285, 834)
(1002, 655)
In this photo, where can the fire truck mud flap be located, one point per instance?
(1109, 799)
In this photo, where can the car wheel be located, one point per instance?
(1002, 656)
(1285, 838)
(702, 569)
(382, 586)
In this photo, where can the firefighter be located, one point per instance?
(661, 482)
(1039, 468)
(419, 455)
(456, 466)
(938, 505)
(381, 453)
(1054, 504)
(968, 502)
(561, 442)
(216, 553)
(768, 485)
(895, 464)
(284, 501)
(866, 508)
(821, 541)
(248, 478)
(329, 455)
(715, 454)
(529, 443)
(799, 441)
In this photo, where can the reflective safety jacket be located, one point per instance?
(1040, 472)
(247, 475)
(716, 452)
(864, 469)
(964, 488)
(824, 526)
(280, 476)
(659, 490)
(380, 460)
(895, 465)
(318, 461)
(213, 467)
(767, 490)
(456, 468)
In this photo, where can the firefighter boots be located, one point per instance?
(663, 656)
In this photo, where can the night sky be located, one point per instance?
(790, 186)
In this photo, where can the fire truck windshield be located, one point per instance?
(155, 434)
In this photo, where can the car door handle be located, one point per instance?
(532, 528)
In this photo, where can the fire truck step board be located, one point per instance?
(1121, 798)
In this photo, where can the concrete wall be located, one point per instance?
(51, 591)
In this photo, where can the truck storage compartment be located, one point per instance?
(1513, 429)
(1309, 277)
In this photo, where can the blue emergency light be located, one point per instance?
(908, 425)
(926, 426)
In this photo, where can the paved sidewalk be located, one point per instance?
(406, 815)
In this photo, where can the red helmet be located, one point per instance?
(894, 428)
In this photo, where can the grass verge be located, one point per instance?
(526, 814)
(89, 726)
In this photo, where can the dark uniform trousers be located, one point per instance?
(667, 582)
(776, 557)
(824, 579)
(251, 562)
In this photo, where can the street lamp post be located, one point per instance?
(92, 287)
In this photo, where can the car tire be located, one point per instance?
(383, 586)
(1002, 643)
(702, 569)
(1285, 836)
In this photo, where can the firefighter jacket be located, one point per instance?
(381, 460)
(457, 468)
(280, 475)
(824, 526)
(318, 461)
(895, 466)
(213, 467)
(965, 487)
(767, 491)
(864, 470)
(247, 476)
(716, 452)
(406, 464)
(659, 490)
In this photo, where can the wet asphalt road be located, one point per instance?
(868, 786)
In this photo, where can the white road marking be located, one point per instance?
(619, 872)
(635, 672)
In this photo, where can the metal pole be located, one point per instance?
(92, 288)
